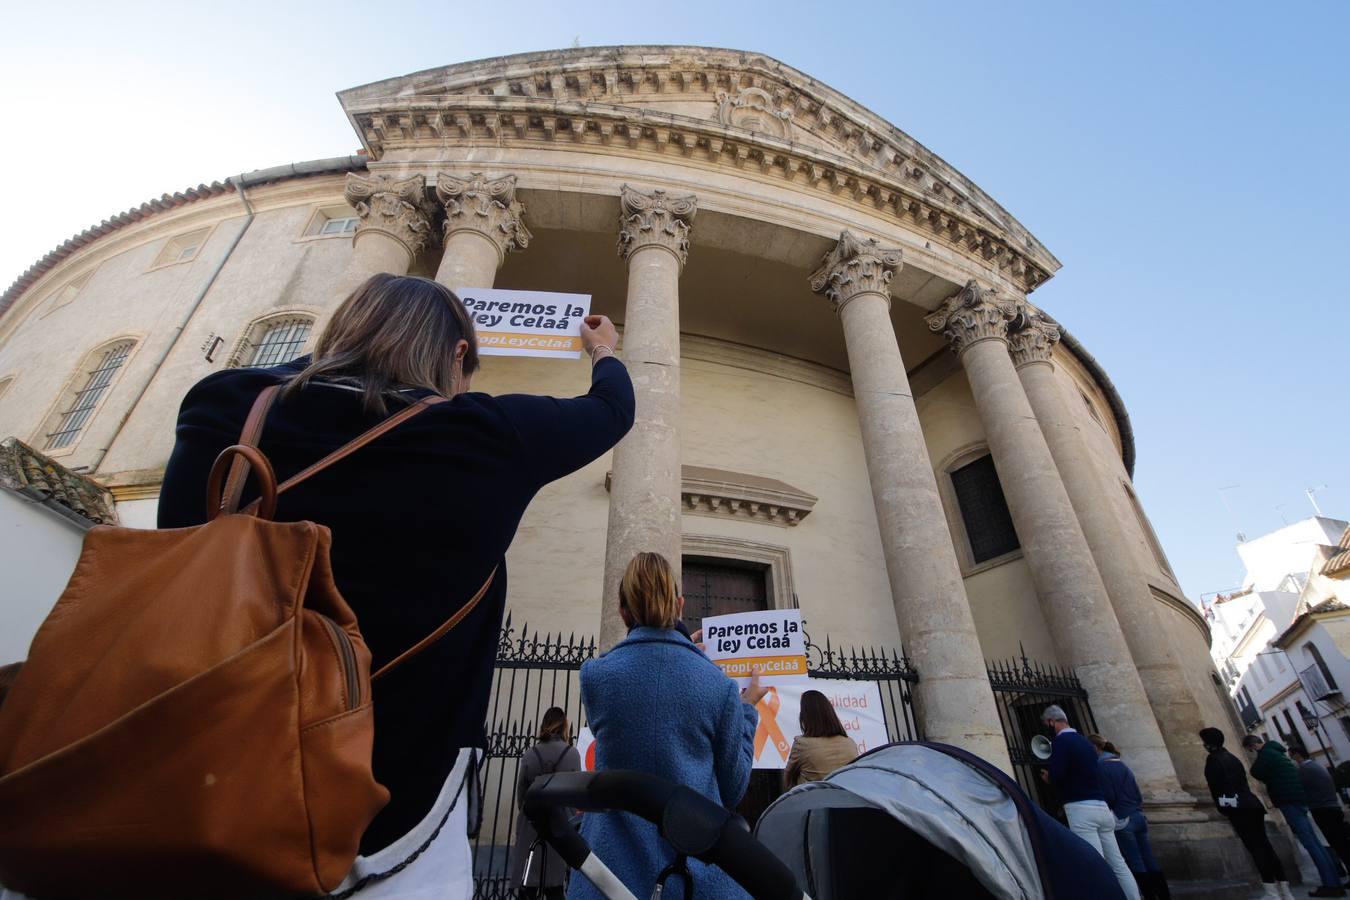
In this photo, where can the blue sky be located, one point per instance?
(1186, 162)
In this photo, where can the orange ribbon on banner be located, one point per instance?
(768, 707)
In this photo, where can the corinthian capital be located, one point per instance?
(655, 220)
(394, 206)
(486, 206)
(1034, 338)
(972, 315)
(856, 266)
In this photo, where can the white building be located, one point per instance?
(1281, 640)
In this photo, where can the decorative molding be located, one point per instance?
(856, 266)
(766, 362)
(1189, 612)
(397, 207)
(44, 480)
(486, 206)
(972, 315)
(1033, 339)
(655, 220)
(735, 495)
(754, 109)
(894, 182)
(121, 493)
(951, 508)
(778, 560)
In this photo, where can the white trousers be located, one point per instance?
(1093, 821)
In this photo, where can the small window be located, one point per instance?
(272, 342)
(1092, 409)
(1149, 535)
(183, 248)
(75, 416)
(332, 221)
(64, 296)
(1316, 654)
(984, 510)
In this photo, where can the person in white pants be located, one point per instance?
(1073, 771)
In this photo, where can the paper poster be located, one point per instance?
(857, 703)
(586, 747)
(526, 323)
(770, 641)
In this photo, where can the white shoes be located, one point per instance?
(1284, 893)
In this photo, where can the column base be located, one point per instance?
(1202, 856)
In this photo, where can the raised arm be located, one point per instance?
(561, 436)
(734, 745)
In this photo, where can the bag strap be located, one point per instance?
(446, 626)
(252, 433)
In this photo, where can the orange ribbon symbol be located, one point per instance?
(768, 707)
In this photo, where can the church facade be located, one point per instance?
(848, 399)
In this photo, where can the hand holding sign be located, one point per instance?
(768, 644)
(598, 331)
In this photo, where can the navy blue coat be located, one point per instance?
(419, 518)
(655, 703)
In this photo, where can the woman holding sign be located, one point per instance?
(823, 745)
(421, 518)
(658, 705)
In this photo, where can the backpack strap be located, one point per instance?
(440, 632)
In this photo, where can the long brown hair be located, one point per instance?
(649, 592)
(394, 331)
(553, 726)
(1103, 744)
(818, 718)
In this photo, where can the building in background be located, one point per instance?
(1281, 640)
(847, 400)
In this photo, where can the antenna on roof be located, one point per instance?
(1241, 537)
(1313, 500)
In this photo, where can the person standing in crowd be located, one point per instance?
(657, 704)
(1073, 771)
(1277, 772)
(420, 519)
(1323, 803)
(823, 745)
(1234, 799)
(1122, 795)
(543, 874)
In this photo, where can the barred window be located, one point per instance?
(276, 341)
(984, 510)
(77, 415)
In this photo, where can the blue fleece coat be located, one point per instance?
(655, 703)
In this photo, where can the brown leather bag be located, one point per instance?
(194, 718)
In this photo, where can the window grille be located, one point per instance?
(281, 341)
(1315, 683)
(984, 510)
(74, 419)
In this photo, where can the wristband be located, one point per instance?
(597, 348)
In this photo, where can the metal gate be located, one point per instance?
(538, 670)
(1023, 688)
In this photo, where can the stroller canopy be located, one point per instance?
(913, 819)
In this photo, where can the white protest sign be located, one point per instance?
(526, 323)
(586, 747)
(858, 704)
(769, 641)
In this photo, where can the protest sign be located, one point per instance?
(770, 641)
(526, 323)
(586, 747)
(858, 704)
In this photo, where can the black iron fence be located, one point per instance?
(537, 670)
(1023, 688)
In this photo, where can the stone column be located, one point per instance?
(1174, 706)
(483, 223)
(1076, 606)
(954, 702)
(644, 499)
(395, 226)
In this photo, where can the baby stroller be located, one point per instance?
(925, 820)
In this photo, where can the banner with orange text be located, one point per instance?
(526, 323)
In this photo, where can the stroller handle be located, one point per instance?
(690, 822)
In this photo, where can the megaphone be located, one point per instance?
(1040, 747)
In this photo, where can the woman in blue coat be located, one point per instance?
(656, 704)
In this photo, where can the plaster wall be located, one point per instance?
(38, 550)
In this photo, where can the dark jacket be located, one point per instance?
(1119, 786)
(547, 869)
(1279, 774)
(1227, 778)
(1074, 769)
(418, 518)
(697, 733)
(1318, 785)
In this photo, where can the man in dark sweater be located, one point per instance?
(1075, 773)
(1244, 810)
(1277, 772)
(1323, 803)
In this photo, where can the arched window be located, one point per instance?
(984, 510)
(1316, 656)
(271, 342)
(99, 371)
(1150, 536)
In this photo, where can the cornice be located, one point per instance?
(736, 495)
(1186, 609)
(896, 186)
